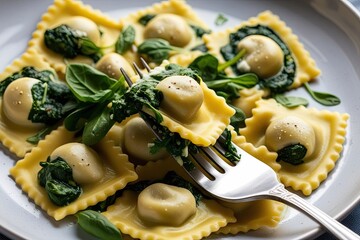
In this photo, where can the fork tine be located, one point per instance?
(137, 69)
(126, 76)
(146, 66)
(221, 163)
(206, 165)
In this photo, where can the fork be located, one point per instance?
(256, 180)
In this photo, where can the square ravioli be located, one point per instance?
(13, 135)
(117, 172)
(307, 141)
(296, 60)
(173, 21)
(101, 30)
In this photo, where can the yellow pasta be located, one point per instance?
(69, 12)
(118, 172)
(324, 142)
(306, 69)
(12, 135)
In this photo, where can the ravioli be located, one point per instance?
(178, 8)
(13, 136)
(208, 123)
(329, 131)
(118, 172)
(306, 69)
(209, 216)
(62, 11)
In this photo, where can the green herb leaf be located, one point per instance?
(144, 20)
(40, 135)
(125, 40)
(88, 84)
(98, 225)
(199, 31)
(157, 49)
(323, 98)
(220, 19)
(290, 101)
(206, 66)
(238, 119)
(98, 126)
(293, 154)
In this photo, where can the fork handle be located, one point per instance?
(333, 226)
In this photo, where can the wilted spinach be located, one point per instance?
(278, 83)
(57, 179)
(31, 72)
(293, 154)
(70, 43)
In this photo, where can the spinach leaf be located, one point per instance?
(290, 101)
(40, 135)
(157, 49)
(98, 126)
(278, 83)
(89, 84)
(199, 31)
(323, 98)
(125, 40)
(98, 225)
(56, 177)
(231, 153)
(207, 66)
(201, 48)
(70, 43)
(293, 154)
(144, 20)
(76, 120)
(220, 19)
(238, 119)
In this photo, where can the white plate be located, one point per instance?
(330, 30)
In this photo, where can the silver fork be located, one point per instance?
(256, 179)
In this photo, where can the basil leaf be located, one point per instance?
(98, 225)
(206, 66)
(290, 101)
(323, 98)
(88, 84)
(156, 49)
(220, 20)
(97, 127)
(77, 119)
(125, 40)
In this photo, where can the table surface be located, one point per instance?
(352, 221)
